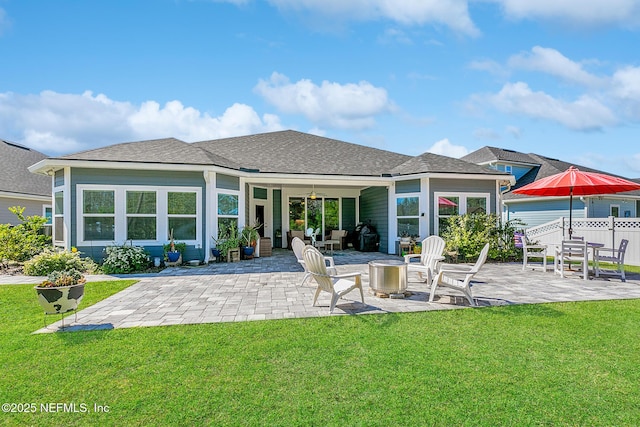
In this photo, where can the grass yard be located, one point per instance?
(554, 364)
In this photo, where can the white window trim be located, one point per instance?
(611, 207)
(215, 207)
(508, 168)
(416, 195)
(462, 204)
(120, 208)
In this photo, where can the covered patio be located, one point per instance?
(268, 288)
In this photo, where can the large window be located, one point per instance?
(182, 214)
(408, 216)
(141, 215)
(450, 204)
(138, 213)
(98, 210)
(321, 214)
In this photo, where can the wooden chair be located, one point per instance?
(335, 284)
(457, 276)
(614, 256)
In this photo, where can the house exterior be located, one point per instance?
(287, 180)
(534, 211)
(19, 187)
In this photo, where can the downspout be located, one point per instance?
(507, 185)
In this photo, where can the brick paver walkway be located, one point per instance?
(269, 288)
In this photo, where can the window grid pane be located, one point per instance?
(183, 228)
(98, 202)
(227, 204)
(407, 206)
(181, 203)
(141, 228)
(99, 228)
(141, 202)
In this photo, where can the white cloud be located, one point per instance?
(491, 67)
(444, 147)
(514, 131)
(58, 123)
(585, 113)
(394, 35)
(486, 133)
(344, 106)
(5, 23)
(626, 83)
(587, 13)
(451, 13)
(552, 62)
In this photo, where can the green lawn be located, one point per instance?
(554, 364)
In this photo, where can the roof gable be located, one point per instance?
(435, 163)
(14, 174)
(493, 154)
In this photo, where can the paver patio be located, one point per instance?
(269, 288)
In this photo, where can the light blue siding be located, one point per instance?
(543, 211)
(601, 208)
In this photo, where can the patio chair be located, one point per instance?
(298, 245)
(430, 256)
(571, 251)
(457, 276)
(335, 284)
(296, 233)
(533, 251)
(340, 236)
(615, 256)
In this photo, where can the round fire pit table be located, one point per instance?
(388, 278)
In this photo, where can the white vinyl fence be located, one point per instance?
(599, 230)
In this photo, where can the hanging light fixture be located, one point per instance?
(313, 195)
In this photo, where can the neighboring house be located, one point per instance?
(534, 211)
(139, 191)
(18, 187)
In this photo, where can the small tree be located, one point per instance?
(20, 242)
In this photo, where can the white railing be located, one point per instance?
(601, 230)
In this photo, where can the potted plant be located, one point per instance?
(249, 238)
(61, 292)
(228, 240)
(173, 250)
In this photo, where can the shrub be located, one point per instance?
(467, 234)
(50, 260)
(125, 259)
(23, 241)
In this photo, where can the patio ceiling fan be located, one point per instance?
(313, 195)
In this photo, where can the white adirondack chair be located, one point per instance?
(335, 284)
(456, 276)
(430, 256)
(298, 245)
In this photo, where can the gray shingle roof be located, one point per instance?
(429, 162)
(168, 150)
(548, 167)
(14, 175)
(297, 152)
(491, 154)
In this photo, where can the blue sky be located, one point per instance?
(556, 78)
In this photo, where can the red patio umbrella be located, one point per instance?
(446, 202)
(575, 182)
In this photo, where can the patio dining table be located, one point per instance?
(592, 247)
